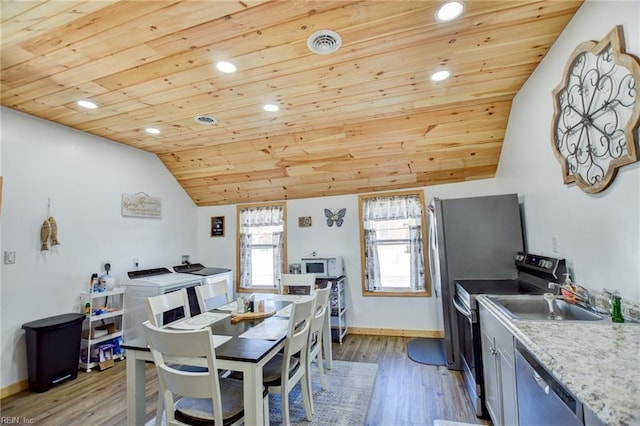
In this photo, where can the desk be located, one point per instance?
(237, 354)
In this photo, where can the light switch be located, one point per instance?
(9, 257)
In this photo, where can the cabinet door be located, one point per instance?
(492, 389)
(508, 383)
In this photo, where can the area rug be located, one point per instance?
(344, 402)
(426, 351)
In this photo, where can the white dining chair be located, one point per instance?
(297, 284)
(156, 307)
(315, 343)
(200, 397)
(212, 295)
(284, 370)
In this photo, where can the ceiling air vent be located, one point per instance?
(324, 42)
(206, 120)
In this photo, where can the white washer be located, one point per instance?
(153, 282)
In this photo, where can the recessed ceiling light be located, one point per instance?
(87, 104)
(440, 75)
(271, 107)
(226, 67)
(449, 11)
(207, 120)
(152, 130)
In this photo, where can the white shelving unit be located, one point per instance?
(338, 309)
(114, 301)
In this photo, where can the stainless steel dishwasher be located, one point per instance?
(542, 400)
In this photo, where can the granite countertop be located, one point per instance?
(598, 361)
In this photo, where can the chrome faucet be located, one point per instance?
(584, 296)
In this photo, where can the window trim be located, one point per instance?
(425, 247)
(239, 208)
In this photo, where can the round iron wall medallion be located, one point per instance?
(596, 113)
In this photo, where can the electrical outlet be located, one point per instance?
(9, 257)
(105, 265)
(185, 259)
(136, 263)
(554, 244)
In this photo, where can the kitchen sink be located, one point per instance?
(532, 307)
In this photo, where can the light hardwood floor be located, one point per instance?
(406, 393)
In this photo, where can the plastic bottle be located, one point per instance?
(93, 282)
(616, 307)
(568, 296)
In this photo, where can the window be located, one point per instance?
(392, 231)
(261, 246)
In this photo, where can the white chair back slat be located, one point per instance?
(297, 284)
(156, 306)
(212, 295)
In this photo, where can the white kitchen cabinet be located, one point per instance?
(96, 323)
(499, 370)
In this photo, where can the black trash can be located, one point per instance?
(53, 349)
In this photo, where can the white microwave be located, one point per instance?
(323, 267)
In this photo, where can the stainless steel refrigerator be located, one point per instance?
(470, 238)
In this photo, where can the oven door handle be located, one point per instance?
(469, 314)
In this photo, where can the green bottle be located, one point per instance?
(616, 308)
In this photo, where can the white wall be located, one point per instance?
(84, 177)
(599, 235)
(410, 313)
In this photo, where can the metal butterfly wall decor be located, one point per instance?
(335, 217)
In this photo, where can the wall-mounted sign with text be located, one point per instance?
(141, 205)
(217, 226)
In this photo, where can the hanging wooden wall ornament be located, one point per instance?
(596, 113)
(48, 231)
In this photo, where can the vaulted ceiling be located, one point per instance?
(365, 118)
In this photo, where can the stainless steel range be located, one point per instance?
(534, 274)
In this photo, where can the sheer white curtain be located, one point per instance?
(371, 261)
(252, 218)
(278, 249)
(407, 207)
(246, 275)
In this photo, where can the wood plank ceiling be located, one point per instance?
(365, 118)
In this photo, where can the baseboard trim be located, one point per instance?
(394, 332)
(14, 388)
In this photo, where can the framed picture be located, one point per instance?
(217, 226)
(304, 221)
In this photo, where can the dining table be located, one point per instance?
(238, 347)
